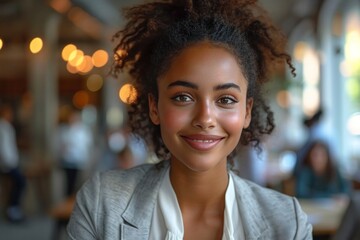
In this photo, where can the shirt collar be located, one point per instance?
(169, 211)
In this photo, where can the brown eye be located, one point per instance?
(182, 98)
(227, 101)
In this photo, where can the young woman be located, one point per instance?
(198, 67)
(318, 176)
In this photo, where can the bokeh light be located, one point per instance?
(116, 141)
(311, 67)
(100, 58)
(94, 82)
(299, 50)
(114, 118)
(76, 58)
(128, 94)
(352, 47)
(81, 99)
(86, 65)
(71, 68)
(1, 43)
(67, 50)
(353, 124)
(311, 100)
(36, 45)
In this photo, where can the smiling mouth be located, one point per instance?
(202, 142)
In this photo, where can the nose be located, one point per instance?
(204, 116)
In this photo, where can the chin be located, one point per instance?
(200, 165)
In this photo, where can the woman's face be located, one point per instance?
(319, 158)
(202, 107)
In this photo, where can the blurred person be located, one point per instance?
(74, 147)
(315, 132)
(9, 164)
(318, 176)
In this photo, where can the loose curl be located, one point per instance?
(157, 32)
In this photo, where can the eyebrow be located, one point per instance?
(183, 83)
(227, 86)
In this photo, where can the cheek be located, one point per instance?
(232, 122)
(172, 118)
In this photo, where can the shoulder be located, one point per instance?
(130, 175)
(255, 190)
(106, 195)
(281, 213)
(119, 185)
(114, 182)
(262, 196)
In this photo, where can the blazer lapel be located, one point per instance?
(253, 221)
(137, 216)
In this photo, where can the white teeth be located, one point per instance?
(202, 141)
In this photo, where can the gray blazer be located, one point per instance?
(119, 204)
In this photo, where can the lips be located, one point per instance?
(202, 142)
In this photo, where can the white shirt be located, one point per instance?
(75, 144)
(167, 220)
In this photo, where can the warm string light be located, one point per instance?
(79, 62)
(100, 58)
(36, 45)
(67, 50)
(76, 58)
(128, 94)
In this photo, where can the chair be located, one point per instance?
(61, 213)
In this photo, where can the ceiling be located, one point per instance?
(20, 20)
(16, 15)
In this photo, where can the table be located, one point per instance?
(325, 215)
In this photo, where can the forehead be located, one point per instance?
(205, 58)
(206, 48)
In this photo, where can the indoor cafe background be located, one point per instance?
(58, 53)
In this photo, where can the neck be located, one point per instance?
(199, 189)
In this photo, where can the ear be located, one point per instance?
(153, 110)
(249, 105)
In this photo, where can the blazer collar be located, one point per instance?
(137, 215)
(254, 222)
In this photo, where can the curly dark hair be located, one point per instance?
(156, 32)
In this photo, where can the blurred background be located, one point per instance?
(69, 113)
